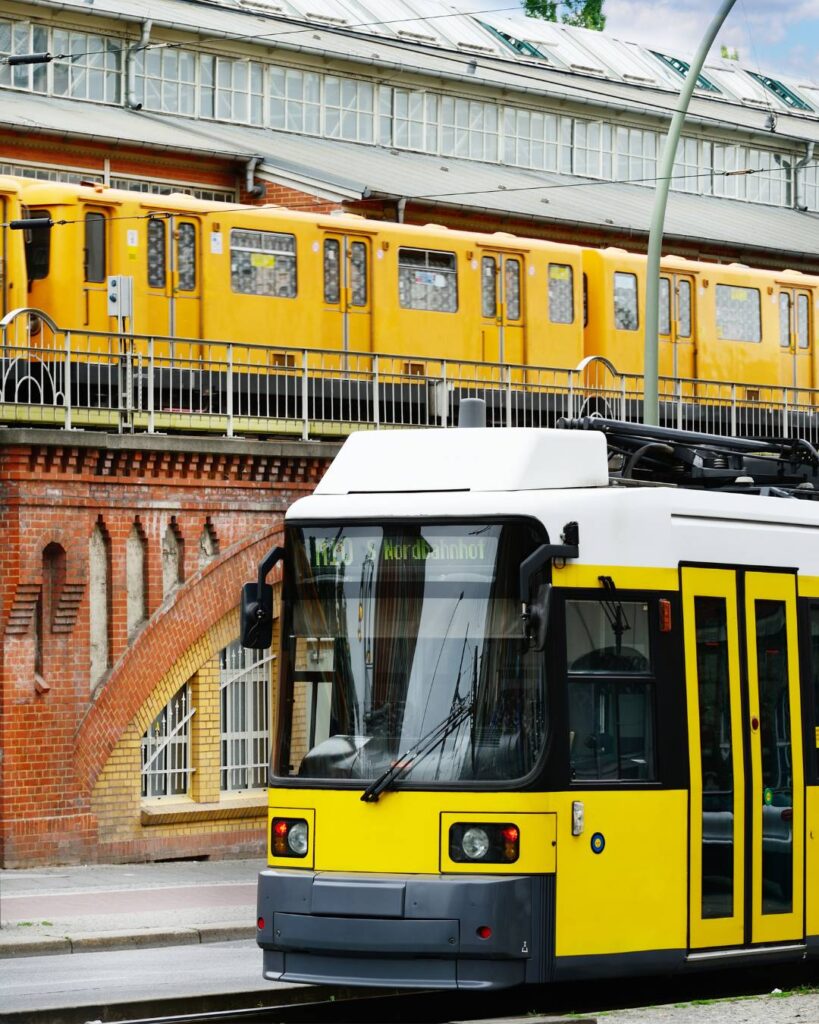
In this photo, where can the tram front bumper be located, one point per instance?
(429, 931)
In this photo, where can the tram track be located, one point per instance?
(568, 1002)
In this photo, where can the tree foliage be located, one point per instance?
(582, 13)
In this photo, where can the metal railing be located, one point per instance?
(93, 380)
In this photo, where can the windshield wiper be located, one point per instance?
(461, 709)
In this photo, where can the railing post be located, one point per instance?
(376, 409)
(445, 393)
(733, 410)
(305, 393)
(67, 382)
(623, 399)
(229, 396)
(678, 398)
(785, 414)
(507, 372)
(151, 384)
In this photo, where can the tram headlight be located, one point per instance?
(482, 842)
(289, 837)
(475, 843)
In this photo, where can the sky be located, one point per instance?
(779, 36)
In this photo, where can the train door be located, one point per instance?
(676, 325)
(502, 307)
(747, 821)
(173, 278)
(4, 257)
(795, 337)
(96, 243)
(347, 279)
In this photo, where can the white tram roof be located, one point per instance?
(556, 476)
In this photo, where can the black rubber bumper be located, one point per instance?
(468, 931)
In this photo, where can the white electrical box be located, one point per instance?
(120, 295)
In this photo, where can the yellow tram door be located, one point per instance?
(746, 829)
(502, 319)
(173, 278)
(676, 315)
(96, 230)
(347, 286)
(795, 337)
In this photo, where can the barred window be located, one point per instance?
(427, 280)
(245, 731)
(166, 767)
(738, 313)
(263, 263)
(186, 256)
(156, 253)
(92, 71)
(626, 312)
(561, 293)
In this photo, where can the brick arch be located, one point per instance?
(196, 607)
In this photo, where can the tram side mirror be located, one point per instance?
(256, 616)
(536, 617)
(256, 609)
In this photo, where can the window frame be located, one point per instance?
(719, 290)
(426, 265)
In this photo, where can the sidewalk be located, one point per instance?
(126, 906)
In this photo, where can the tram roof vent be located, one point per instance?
(516, 459)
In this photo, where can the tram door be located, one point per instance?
(96, 230)
(347, 293)
(4, 258)
(795, 337)
(502, 307)
(676, 325)
(747, 811)
(173, 278)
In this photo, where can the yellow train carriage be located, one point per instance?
(13, 274)
(624, 782)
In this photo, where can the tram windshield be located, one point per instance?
(405, 641)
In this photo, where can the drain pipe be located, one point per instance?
(400, 209)
(251, 187)
(797, 167)
(130, 71)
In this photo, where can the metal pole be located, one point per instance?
(655, 238)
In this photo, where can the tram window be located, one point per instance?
(511, 289)
(358, 274)
(156, 253)
(814, 661)
(489, 287)
(611, 696)
(332, 271)
(37, 247)
(94, 247)
(427, 280)
(802, 320)
(263, 263)
(561, 293)
(785, 319)
(626, 312)
(665, 306)
(684, 309)
(738, 313)
(186, 257)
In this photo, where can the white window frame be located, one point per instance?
(166, 749)
(244, 740)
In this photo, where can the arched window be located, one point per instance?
(135, 562)
(172, 558)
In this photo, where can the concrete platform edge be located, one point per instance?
(103, 941)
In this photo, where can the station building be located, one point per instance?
(132, 725)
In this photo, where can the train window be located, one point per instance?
(716, 757)
(611, 695)
(37, 247)
(186, 257)
(511, 286)
(626, 313)
(332, 271)
(684, 308)
(802, 320)
(95, 247)
(665, 306)
(156, 253)
(561, 293)
(489, 286)
(358, 274)
(738, 313)
(785, 319)
(427, 280)
(263, 263)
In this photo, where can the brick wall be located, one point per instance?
(64, 780)
(284, 195)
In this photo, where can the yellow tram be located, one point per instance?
(540, 715)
